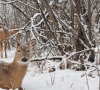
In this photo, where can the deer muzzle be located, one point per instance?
(24, 59)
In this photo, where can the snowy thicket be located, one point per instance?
(67, 34)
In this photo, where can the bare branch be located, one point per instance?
(20, 11)
(8, 2)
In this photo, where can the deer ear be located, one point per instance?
(33, 42)
(14, 43)
(18, 43)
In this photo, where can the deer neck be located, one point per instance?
(18, 73)
(18, 65)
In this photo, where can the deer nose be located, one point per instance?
(24, 59)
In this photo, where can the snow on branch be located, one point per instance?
(20, 11)
(83, 43)
(41, 20)
(70, 28)
(74, 53)
(21, 28)
(28, 5)
(34, 28)
(65, 58)
(85, 29)
(8, 2)
(49, 57)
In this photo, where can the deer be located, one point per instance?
(20, 35)
(12, 74)
(16, 35)
(4, 34)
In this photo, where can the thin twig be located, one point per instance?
(87, 80)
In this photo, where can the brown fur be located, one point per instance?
(4, 34)
(18, 36)
(12, 74)
(15, 32)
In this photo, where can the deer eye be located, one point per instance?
(19, 51)
(28, 50)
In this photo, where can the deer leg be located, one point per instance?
(20, 88)
(9, 48)
(1, 50)
(5, 47)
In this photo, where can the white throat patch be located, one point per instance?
(23, 63)
(1, 29)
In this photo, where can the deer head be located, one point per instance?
(22, 54)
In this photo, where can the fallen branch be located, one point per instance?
(60, 58)
(8, 2)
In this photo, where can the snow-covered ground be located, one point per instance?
(63, 80)
(58, 80)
